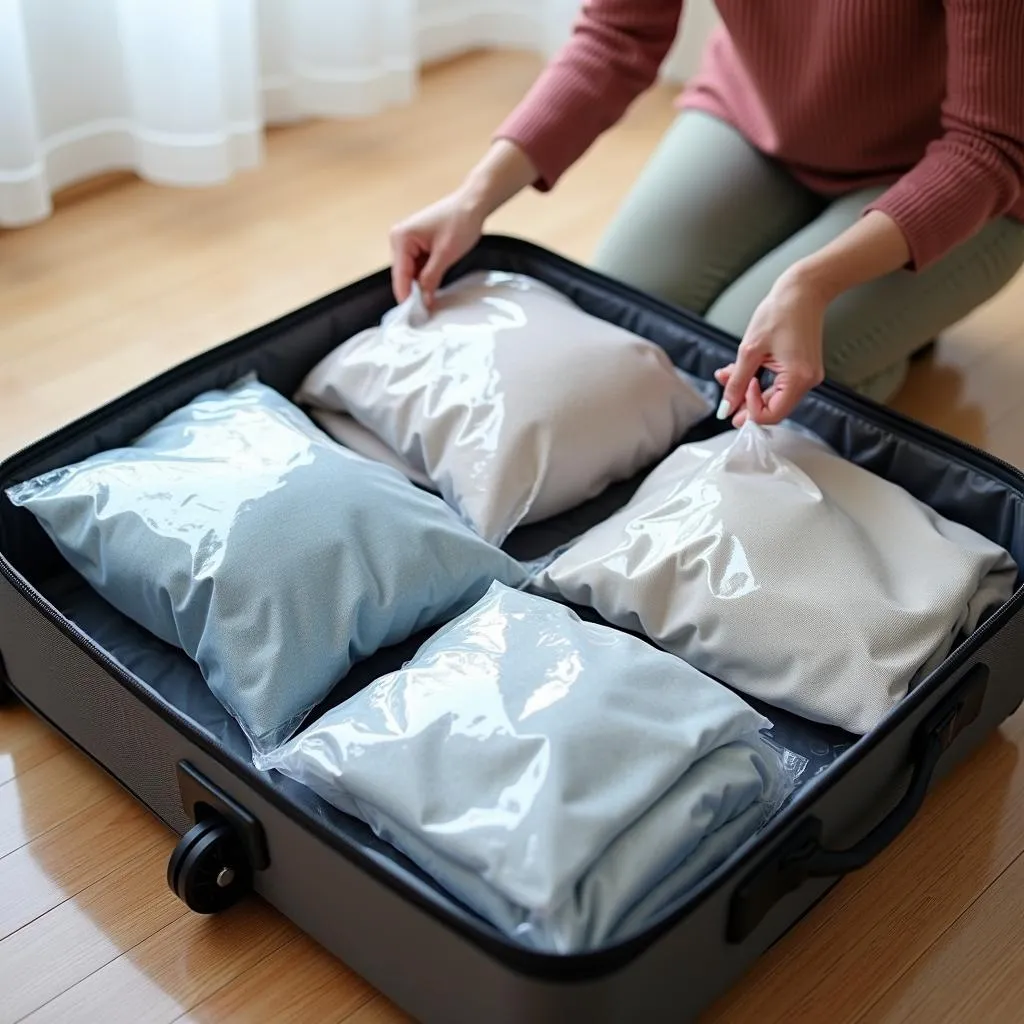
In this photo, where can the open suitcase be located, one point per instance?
(141, 711)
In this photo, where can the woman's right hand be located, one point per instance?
(425, 245)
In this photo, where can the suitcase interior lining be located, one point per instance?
(282, 352)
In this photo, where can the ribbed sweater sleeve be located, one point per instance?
(613, 55)
(974, 171)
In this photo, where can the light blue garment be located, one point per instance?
(238, 531)
(565, 780)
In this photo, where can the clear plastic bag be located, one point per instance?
(239, 532)
(564, 779)
(764, 559)
(512, 401)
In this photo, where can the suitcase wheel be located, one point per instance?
(208, 870)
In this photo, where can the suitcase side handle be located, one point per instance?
(803, 855)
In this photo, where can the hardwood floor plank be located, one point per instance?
(101, 841)
(1006, 438)
(25, 741)
(973, 972)
(379, 1011)
(299, 983)
(173, 970)
(82, 934)
(47, 795)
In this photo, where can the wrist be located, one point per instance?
(475, 197)
(501, 174)
(815, 279)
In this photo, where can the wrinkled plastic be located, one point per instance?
(353, 435)
(514, 403)
(239, 532)
(767, 561)
(565, 780)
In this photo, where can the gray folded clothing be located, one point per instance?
(565, 780)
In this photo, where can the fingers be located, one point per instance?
(741, 373)
(753, 405)
(786, 392)
(404, 255)
(414, 259)
(438, 262)
(782, 398)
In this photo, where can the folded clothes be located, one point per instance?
(353, 435)
(513, 402)
(565, 780)
(769, 562)
(239, 532)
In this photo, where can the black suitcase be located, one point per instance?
(141, 711)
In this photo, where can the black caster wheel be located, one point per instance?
(208, 870)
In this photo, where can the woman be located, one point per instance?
(845, 179)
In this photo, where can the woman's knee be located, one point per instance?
(733, 309)
(627, 255)
(705, 207)
(883, 323)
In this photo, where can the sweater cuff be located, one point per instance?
(938, 206)
(542, 139)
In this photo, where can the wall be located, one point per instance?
(447, 28)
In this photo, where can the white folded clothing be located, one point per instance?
(511, 400)
(793, 575)
(550, 773)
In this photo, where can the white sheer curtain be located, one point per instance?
(181, 91)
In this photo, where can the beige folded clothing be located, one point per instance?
(765, 560)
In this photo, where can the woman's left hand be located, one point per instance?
(785, 337)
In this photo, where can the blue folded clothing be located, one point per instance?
(275, 558)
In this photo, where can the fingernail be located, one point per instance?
(724, 408)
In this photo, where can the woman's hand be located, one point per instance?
(784, 336)
(785, 333)
(425, 245)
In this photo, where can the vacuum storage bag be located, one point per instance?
(565, 780)
(793, 575)
(514, 403)
(239, 532)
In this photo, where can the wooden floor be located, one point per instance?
(128, 279)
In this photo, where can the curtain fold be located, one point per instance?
(181, 92)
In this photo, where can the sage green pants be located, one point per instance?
(711, 224)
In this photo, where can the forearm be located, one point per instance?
(613, 55)
(869, 249)
(504, 171)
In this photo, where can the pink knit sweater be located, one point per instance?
(926, 96)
